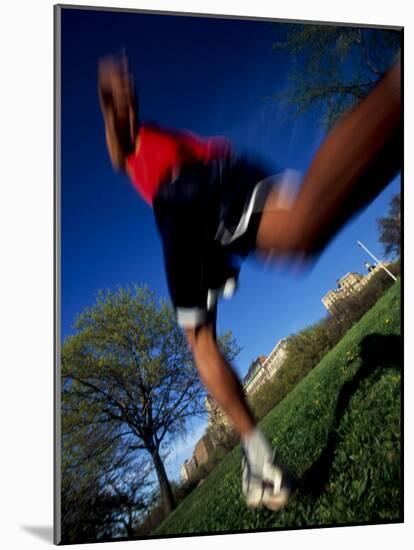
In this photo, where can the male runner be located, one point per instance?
(213, 207)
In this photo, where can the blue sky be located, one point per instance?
(210, 76)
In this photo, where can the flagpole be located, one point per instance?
(377, 260)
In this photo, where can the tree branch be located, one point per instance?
(368, 61)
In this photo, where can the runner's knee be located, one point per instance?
(280, 232)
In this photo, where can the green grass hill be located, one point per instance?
(338, 432)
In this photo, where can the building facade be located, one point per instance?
(188, 469)
(201, 453)
(202, 449)
(276, 358)
(349, 284)
(264, 368)
(216, 415)
(372, 270)
(256, 376)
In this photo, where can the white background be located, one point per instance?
(26, 288)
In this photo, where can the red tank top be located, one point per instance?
(161, 152)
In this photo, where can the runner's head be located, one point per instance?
(127, 123)
(119, 100)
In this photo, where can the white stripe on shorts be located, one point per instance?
(286, 181)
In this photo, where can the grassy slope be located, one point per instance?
(338, 432)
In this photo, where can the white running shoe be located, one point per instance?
(269, 487)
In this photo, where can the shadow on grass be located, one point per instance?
(377, 352)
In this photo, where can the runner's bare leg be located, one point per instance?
(356, 161)
(219, 378)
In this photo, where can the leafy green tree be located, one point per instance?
(309, 345)
(390, 228)
(128, 382)
(332, 67)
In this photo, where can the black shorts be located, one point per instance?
(208, 220)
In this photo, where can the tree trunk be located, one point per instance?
(129, 524)
(165, 487)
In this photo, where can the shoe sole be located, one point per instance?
(274, 503)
